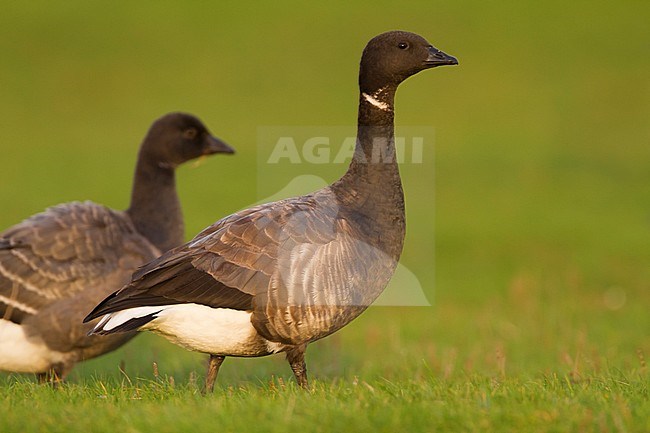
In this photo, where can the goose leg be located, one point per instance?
(43, 378)
(54, 376)
(213, 370)
(296, 358)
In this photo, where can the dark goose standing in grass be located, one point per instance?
(279, 276)
(56, 265)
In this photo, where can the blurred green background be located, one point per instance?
(530, 233)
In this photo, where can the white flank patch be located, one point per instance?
(24, 355)
(381, 105)
(219, 331)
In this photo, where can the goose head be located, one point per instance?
(392, 57)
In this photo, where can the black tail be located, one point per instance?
(129, 325)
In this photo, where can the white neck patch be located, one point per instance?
(381, 105)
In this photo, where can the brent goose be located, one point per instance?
(281, 275)
(56, 265)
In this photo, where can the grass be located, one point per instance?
(475, 403)
(528, 222)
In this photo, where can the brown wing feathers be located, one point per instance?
(67, 249)
(179, 283)
(223, 267)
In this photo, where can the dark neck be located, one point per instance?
(377, 107)
(155, 209)
(373, 176)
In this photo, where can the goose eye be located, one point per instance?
(190, 134)
(402, 45)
